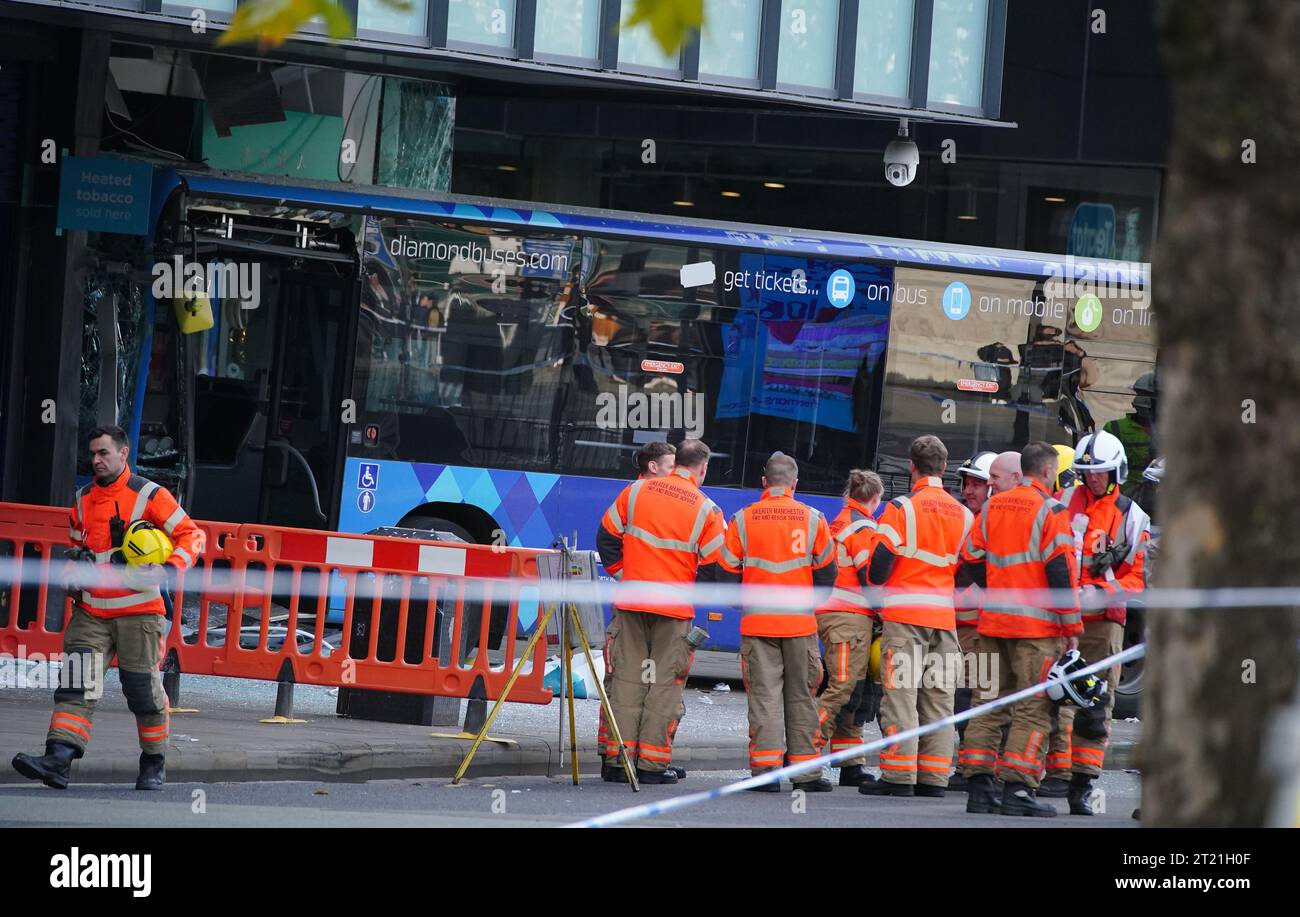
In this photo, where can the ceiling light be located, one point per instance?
(1054, 200)
(683, 203)
(507, 168)
(773, 184)
(731, 194)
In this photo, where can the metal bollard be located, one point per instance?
(283, 698)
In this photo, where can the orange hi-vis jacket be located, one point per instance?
(968, 599)
(1098, 523)
(779, 541)
(131, 498)
(1024, 541)
(655, 538)
(925, 530)
(854, 532)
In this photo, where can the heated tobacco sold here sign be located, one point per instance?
(105, 195)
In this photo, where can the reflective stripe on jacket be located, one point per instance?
(1100, 522)
(655, 537)
(925, 530)
(1021, 531)
(854, 532)
(779, 541)
(131, 498)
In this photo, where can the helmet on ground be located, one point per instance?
(145, 543)
(873, 661)
(1065, 475)
(1081, 692)
(977, 466)
(1101, 452)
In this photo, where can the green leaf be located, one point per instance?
(271, 22)
(671, 21)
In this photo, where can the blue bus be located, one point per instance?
(489, 368)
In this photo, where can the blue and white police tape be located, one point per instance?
(649, 809)
(50, 572)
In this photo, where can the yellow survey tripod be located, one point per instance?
(569, 618)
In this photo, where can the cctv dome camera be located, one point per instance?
(901, 159)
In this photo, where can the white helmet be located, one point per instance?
(1064, 687)
(1101, 452)
(978, 466)
(1154, 471)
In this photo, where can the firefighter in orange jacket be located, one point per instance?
(975, 492)
(660, 536)
(119, 612)
(845, 620)
(653, 460)
(779, 541)
(1024, 542)
(1112, 533)
(918, 538)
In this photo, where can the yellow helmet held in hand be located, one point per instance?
(145, 543)
(1065, 475)
(873, 662)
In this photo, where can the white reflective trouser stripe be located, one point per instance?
(846, 595)
(919, 598)
(122, 601)
(142, 500)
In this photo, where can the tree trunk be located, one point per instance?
(1226, 291)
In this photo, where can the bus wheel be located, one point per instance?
(1128, 693)
(437, 524)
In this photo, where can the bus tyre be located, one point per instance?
(1128, 693)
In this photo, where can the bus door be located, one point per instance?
(269, 379)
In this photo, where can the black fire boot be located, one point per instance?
(52, 768)
(1054, 788)
(650, 778)
(934, 792)
(855, 775)
(1018, 799)
(884, 788)
(982, 795)
(820, 785)
(679, 771)
(957, 783)
(153, 772)
(1079, 791)
(613, 773)
(773, 787)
